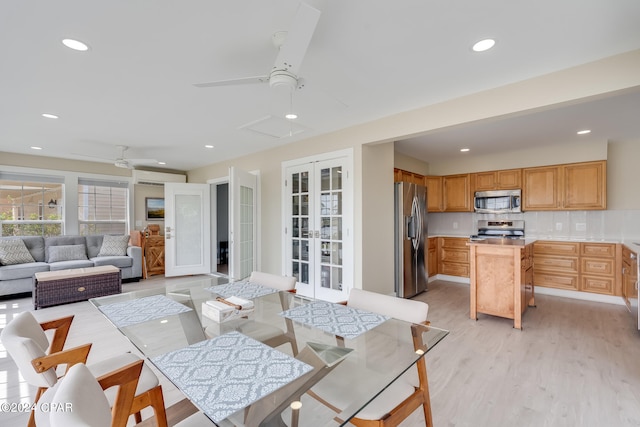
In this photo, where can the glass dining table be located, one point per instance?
(247, 369)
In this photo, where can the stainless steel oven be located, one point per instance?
(499, 229)
(498, 201)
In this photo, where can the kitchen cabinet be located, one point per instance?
(576, 186)
(585, 186)
(457, 193)
(629, 276)
(432, 261)
(556, 264)
(597, 268)
(510, 179)
(577, 266)
(498, 279)
(453, 257)
(541, 190)
(400, 175)
(434, 193)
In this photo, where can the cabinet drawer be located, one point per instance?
(555, 281)
(598, 266)
(454, 269)
(607, 250)
(626, 253)
(556, 248)
(560, 264)
(600, 285)
(454, 242)
(454, 255)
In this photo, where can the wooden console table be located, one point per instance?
(152, 252)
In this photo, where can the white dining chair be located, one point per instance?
(410, 390)
(281, 283)
(79, 399)
(28, 345)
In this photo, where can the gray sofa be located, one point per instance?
(18, 278)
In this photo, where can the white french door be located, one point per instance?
(318, 227)
(243, 196)
(187, 229)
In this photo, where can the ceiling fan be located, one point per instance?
(292, 47)
(123, 162)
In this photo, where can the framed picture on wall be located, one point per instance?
(154, 207)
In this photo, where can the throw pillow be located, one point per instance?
(14, 251)
(67, 253)
(114, 245)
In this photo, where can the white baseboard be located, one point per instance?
(585, 296)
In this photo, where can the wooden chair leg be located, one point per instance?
(157, 403)
(32, 419)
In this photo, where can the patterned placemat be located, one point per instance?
(140, 310)
(336, 319)
(227, 373)
(244, 290)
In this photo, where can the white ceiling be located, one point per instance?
(367, 59)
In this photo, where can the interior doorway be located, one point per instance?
(221, 216)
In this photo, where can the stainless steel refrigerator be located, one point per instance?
(411, 275)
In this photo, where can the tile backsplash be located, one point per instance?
(609, 225)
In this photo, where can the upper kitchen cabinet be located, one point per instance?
(434, 193)
(510, 179)
(400, 175)
(576, 186)
(541, 190)
(585, 186)
(457, 193)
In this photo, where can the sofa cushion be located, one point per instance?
(67, 253)
(64, 265)
(52, 241)
(114, 245)
(22, 271)
(14, 251)
(117, 261)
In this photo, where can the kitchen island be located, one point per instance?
(501, 278)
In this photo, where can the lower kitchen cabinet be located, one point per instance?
(432, 260)
(576, 266)
(453, 257)
(629, 275)
(501, 280)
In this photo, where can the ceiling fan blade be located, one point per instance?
(141, 161)
(232, 82)
(298, 38)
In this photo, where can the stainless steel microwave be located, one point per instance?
(498, 201)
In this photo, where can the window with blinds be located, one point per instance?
(102, 207)
(31, 205)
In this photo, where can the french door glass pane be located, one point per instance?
(246, 231)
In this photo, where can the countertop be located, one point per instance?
(503, 242)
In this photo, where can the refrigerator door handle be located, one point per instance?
(410, 227)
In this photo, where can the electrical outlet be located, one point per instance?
(558, 226)
(455, 225)
(581, 226)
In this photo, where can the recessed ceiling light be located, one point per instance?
(49, 116)
(75, 45)
(208, 146)
(584, 132)
(36, 148)
(464, 150)
(483, 45)
(291, 116)
(162, 163)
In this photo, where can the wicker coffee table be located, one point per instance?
(77, 284)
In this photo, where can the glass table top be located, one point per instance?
(170, 319)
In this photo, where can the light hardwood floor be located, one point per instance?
(575, 363)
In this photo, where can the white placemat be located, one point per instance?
(141, 310)
(336, 319)
(244, 290)
(227, 373)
